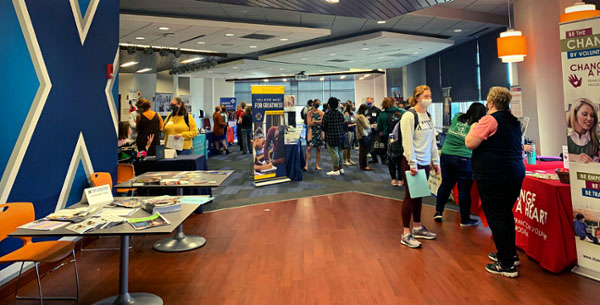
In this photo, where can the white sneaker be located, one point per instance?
(342, 171)
(347, 163)
(410, 241)
(333, 173)
(351, 162)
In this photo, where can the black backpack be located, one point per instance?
(186, 118)
(395, 148)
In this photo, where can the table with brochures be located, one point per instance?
(124, 230)
(179, 180)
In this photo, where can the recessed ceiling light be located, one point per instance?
(343, 76)
(381, 22)
(143, 70)
(352, 61)
(128, 64)
(457, 30)
(367, 75)
(229, 35)
(333, 1)
(252, 47)
(381, 57)
(281, 69)
(283, 39)
(285, 79)
(332, 54)
(201, 42)
(322, 78)
(365, 49)
(140, 38)
(163, 28)
(209, 71)
(304, 58)
(321, 70)
(416, 53)
(234, 68)
(189, 60)
(265, 80)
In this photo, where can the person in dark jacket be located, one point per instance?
(335, 130)
(581, 229)
(384, 129)
(499, 171)
(246, 130)
(148, 125)
(372, 114)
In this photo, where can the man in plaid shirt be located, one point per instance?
(334, 127)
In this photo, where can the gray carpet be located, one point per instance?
(239, 189)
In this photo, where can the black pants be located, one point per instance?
(395, 167)
(455, 170)
(498, 196)
(383, 155)
(362, 153)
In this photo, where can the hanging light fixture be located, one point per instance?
(579, 11)
(512, 46)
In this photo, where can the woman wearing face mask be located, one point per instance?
(499, 171)
(351, 124)
(180, 124)
(582, 122)
(315, 133)
(148, 125)
(420, 150)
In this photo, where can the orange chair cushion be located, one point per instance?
(44, 251)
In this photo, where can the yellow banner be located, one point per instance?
(267, 176)
(256, 89)
(274, 112)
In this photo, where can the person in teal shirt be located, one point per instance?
(456, 165)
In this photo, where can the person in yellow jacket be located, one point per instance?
(180, 124)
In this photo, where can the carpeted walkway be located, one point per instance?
(239, 189)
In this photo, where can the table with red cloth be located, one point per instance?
(546, 236)
(544, 223)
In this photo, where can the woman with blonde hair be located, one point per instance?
(420, 151)
(582, 121)
(499, 171)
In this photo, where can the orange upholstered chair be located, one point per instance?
(13, 215)
(101, 178)
(124, 173)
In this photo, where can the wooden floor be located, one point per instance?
(336, 249)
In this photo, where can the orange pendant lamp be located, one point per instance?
(512, 45)
(579, 11)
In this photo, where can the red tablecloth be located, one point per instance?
(544, 166)
(544, 223)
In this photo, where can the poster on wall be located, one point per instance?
(188, 104)
(516, 103)
(580, 55)
(128, 103)
(269, 135)
(289, 103)
(162, 103)
(447, 116)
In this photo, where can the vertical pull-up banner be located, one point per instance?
(269, 135)
(580, 54)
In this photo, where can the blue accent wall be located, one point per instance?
(76, 102)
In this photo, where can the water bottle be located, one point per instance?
(531, 155)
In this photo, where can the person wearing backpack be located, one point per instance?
(386, 122)
(180, 124)
(420, 151)
(456, 165)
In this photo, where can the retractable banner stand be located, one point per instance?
(580, 53)
(269, 135)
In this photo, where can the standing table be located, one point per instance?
(124, 231)
(179, 242)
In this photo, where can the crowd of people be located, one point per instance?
(482, 144)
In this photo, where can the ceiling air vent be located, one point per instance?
(258, 36)
(399, 55)
(337, 60)
(193, 38)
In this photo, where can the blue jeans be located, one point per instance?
(246, 140)
(455, 170)
(185, 152)
(336, 156)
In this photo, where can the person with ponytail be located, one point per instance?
(420, 151)
(456, 165)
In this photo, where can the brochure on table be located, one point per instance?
(581, 78)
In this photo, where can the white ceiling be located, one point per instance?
(183, 33)
(249, 68)
(379, 50)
